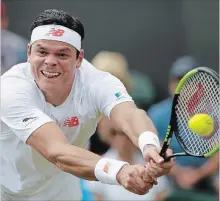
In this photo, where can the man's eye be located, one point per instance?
(42, 52)
(62, 55)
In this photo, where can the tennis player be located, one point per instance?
(50, 107)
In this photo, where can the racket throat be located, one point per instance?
(175, 155)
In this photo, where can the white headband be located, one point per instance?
(58, 33)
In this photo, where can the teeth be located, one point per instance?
(50, 74)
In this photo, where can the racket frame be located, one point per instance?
(172, 127)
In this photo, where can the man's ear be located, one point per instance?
(80, 58)
(28, 51)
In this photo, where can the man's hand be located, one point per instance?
(135, 178)
(155, 163)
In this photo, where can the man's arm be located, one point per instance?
(45, 136)
(51, 143)
(134, 122)
(114, 101)
(131, 120)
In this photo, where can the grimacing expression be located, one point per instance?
(53, 63)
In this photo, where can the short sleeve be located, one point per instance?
(20, 109)
(107, 93)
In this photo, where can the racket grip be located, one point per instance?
(163, 153)
(166, 159)
(163, 150)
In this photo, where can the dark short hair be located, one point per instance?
(59, 17)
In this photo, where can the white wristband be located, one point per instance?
(148, 138)
(106, 170)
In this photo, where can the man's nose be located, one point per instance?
(51, 60)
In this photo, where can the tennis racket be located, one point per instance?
(197, 92)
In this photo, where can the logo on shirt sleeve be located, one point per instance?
(29, 120)
(120, 95)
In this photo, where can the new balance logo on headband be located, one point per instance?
(55, 32)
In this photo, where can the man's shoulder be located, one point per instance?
(21, 70)
(91, 71)
(18, 77)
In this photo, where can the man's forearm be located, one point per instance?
(132, 121)
(87, 165)
(76, 161)
(51, 143)
(139, 122)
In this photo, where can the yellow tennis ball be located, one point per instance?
(201, 124)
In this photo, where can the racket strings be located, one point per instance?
(200, 94)
(199, 141)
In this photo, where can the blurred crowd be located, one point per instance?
(13, 46)
(191, 178)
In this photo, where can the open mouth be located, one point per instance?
(50, 74)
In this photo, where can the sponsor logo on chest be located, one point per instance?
(71, 121)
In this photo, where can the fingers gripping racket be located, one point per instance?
(196, 93)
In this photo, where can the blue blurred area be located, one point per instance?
(86, 194)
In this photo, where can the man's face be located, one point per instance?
(53, 63)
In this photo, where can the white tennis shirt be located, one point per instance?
(25, 174)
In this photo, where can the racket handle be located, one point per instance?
(163, 150)
(166, 159)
